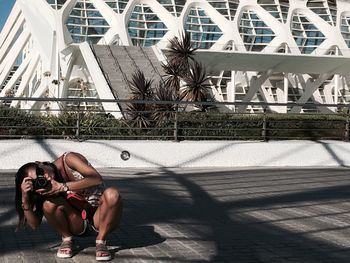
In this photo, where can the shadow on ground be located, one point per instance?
(211, 208)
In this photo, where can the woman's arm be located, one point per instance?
(79, 163)
(33, 219)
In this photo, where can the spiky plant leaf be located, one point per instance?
(164, 112)
(197, 87)
(139, 115)
(181, 51)
(173, 76)
(182, 47)
(141, 88)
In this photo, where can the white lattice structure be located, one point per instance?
(44, 49)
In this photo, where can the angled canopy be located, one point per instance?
(308, 64)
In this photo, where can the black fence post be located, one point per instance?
(264, 131)
(77, 131)
(176, 130)
(347, 125)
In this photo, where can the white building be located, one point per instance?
(256, 50)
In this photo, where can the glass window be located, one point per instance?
(306, 35)
(254, 32)
(325, 9)
(202, 28)
(85, 23)
(145, 25)
(56, 4)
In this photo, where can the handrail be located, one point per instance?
(208, 103)
(166, 123)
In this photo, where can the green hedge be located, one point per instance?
(278, 126)
(215, 126)
(312, 127)
(15, 123)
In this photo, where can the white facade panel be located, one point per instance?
(56, 29)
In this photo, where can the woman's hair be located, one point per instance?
(20, 175)
(57, 175)
(34, 198)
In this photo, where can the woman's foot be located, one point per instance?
(102, 253)
(66, 248)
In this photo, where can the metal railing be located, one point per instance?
(168, 120)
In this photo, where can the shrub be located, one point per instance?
(15, 123)
(19, 123)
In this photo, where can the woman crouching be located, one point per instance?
(70, 193)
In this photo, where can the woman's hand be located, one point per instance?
(26, 187)
(53, 187)
(28, 207)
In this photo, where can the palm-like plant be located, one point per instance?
(182, 51)
(173, 76)
(163, 112)
(141, 89)
(197, 87)
(139, 115)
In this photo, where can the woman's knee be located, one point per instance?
(50, 207)
(111, 196)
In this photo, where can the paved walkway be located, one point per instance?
(204, 215)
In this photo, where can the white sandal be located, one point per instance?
(66, 245)
(101, 247)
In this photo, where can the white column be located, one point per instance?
(285, 82)
(18, 73)
(101, 85)
(10, 22)
(285, 90)
(336, 88)
(4, 49)
(233, 90)
(12, 55)
(336, 81)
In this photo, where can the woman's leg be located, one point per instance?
(66, 221)
(106, 219)
(63, 217)
(109, 212)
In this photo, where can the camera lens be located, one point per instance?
(40, 182)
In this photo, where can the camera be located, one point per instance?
(40, 182)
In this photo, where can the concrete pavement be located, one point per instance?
(207, 215)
